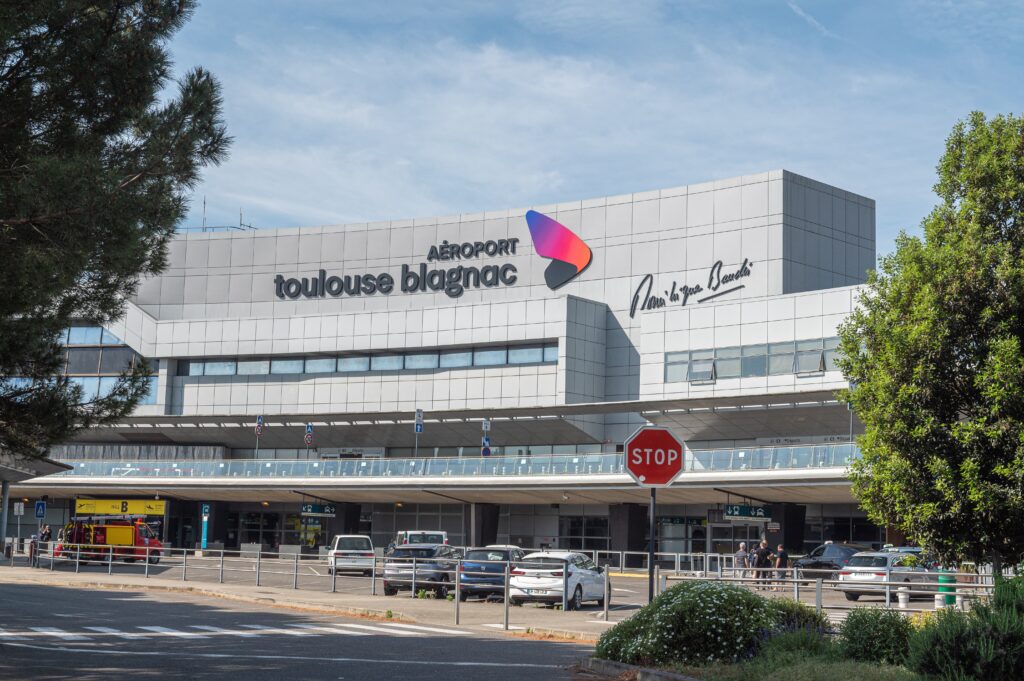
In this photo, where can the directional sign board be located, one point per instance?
(654, 456)
(19, 508)
(742, 512)
(319, 510)
(119, 507)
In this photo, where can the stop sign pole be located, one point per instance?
(654, 457)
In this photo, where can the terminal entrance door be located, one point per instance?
(725, 538)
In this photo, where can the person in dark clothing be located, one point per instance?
(781, 565)
(763, 562)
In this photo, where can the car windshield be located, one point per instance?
(424, 538)
(352, 544)
(145, 531)
(489, 554)
(425, 552)
(869, 561)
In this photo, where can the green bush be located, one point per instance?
(874, 635)
(693, 623)
(986, 643)
(793, 615)
(792, 647)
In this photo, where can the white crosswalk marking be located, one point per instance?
(60, 633)
(116, 632)
(433, 630)
(381, 629)
(332, 630)
(172, 632)
(224, 632)
(8, 636)
(262, 629)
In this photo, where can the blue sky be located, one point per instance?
(351, 112)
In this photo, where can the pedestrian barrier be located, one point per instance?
(915, 590)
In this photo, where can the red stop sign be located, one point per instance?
(654, 456)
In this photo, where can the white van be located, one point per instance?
(421, 537)
(351, 552)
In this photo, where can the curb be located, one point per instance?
(616, 669)
(581, 636)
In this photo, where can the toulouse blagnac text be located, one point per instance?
(719, 284)
(453, 281)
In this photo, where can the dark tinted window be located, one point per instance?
(353, 544)
(487, 554)
(424, 552)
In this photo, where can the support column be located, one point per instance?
(627, 527)
(483, 524)
(791, 519)
(5, 494)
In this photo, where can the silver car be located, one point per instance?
(868, 571)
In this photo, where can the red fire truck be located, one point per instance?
(99, 538)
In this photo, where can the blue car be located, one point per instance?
(483, 570)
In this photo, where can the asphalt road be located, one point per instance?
(62, 633)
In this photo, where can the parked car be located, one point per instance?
(827, 560)
(541, 577)
(419, 537)
(351, 552)
(433, 568)
(490, 560)
(911, 568)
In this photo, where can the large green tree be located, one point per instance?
(936, 356)
(98, 151)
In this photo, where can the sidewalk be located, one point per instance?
(585, 625)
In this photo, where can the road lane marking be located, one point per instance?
(297, 658)
(60, 633)
(277, 630)
(502, 626)
(381, 630)
(332, 630)
(116, 632)
(222, 631)
(433, 630)
(166, 631)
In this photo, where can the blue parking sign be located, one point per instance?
(40, 509)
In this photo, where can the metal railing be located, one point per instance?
(755, 458)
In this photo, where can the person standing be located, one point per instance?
(763, 562)
(741, 561)
(781, 566)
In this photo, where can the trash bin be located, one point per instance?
(947, 585)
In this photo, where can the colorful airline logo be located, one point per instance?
(568, 254)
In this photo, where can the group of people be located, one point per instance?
(760, 562)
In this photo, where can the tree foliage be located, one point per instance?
(935, 356)
(98, 149)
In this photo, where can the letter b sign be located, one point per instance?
(654, 456)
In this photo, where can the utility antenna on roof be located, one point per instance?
(242, 225)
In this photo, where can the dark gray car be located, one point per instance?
(430, 566)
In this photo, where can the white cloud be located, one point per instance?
(811, 21)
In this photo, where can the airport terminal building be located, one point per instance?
(533, 340)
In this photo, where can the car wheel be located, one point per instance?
(441, 590)
(851, 597)
(515, 601)
(367, 573)
(463, 596)
(576, 602)
(153, 560)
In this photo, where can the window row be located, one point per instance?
(96, 386)
(751, 361)
(452, 359)
(88, 335)
(110, 361)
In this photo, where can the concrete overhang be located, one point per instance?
(822, 485)
(706, 418)
(15, 469)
